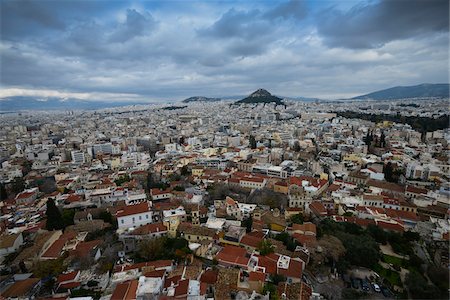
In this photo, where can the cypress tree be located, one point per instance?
(54, 218)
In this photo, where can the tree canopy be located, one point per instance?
(54, 218)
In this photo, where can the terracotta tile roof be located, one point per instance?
(67, 277)
(20, 288)
(385, 185)
(257, 276)
(390, 226)
(149, 228)
(209, 276)
(157, 191)
(54, 251)
(84, 248)
(305, 240)
(318, 208)
(134, 209)
(69, 285)
(182, 288)
(416, 190)
(306, 227)
(251, 240)
(268, 263)
(294, 270)
(174, 279)
(125, 291)
(157, 264)
(156, 274)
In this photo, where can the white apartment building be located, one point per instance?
(135, 215)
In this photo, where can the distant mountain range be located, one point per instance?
(403, 92)
(19, 103)
(200, 99)
(260, 96)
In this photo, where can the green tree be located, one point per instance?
(252, 142)
(388, 171)
(419, 288)
(272, 290)
(277, 278)
(265, 247)
(184, 171)
(18, 185)
(122, 179)
(3, 193)
(67, 217)
(45, 268)
(248, 223)
(54, 218)
(297, 219)
(152, 249)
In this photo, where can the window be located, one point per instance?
(146, 216)
(140, 218)
(122, 221)
(134, 220)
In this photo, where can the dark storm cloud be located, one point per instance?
(296, 9)
(373, 25)
(239, 24)
(136, 24)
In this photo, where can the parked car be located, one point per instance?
(365, 285)
(355, 283)
(376, 287)
(386, 292)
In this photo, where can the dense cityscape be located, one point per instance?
(216, 200)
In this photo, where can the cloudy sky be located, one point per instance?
(170, 50)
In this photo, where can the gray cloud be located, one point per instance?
(135, 25)
(155, 55)
(373, 25)
(296, 9)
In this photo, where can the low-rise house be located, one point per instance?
(131, 238)
(27, 196)
(134, 215)
(158, 194)
(196, 233)
(10, 243)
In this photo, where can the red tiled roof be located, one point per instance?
(416, 190)
(257, 276)
(149, 228)
(174, 279)
(251, 240)
(304, 239)
(318, 208)
(67, 277)
(69, 285)
(157, 264)
(390, 226)
(209, 276)
(54, 251)
(25, 195)
(182, 288)
(156, 273)
(133, 209)
(157, 191)
(268, 263)
(125, 291)
(306, 227)
(84, 248)
(294, 270)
